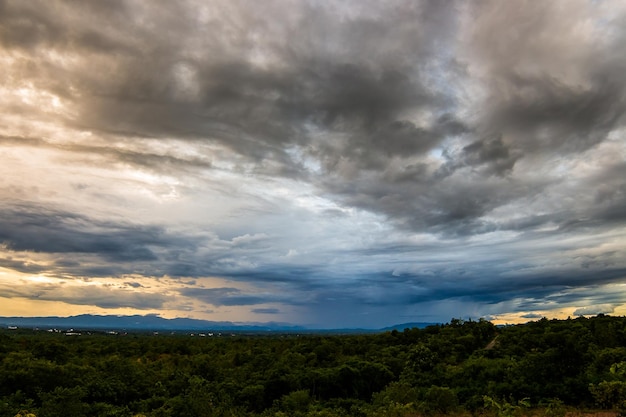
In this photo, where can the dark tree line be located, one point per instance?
(462, 366)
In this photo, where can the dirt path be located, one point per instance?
(491, 344)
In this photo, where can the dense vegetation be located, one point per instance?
(469, 366)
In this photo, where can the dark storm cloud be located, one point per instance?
(217, 92)
(100, 296)
(450, 208)
(575, 119)
(561, 94)
(266, 310)
(491, 156)
(28, 267)
(32, 25)
(483, 284)
(527, 113)
(595, 310)
(85, 246)
(532, 316)
(230, 296)
(350, 88)
(340, 87)
(29, 229)
(609, 191)
(535, 289)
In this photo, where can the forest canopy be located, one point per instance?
(461, 366)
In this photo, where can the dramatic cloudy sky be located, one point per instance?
(329, 163)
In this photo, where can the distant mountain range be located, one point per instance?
(156, 323)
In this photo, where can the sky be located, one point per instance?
(323, 163)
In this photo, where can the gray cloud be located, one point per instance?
(532, 316)
(29, 229)
(353, 94)
(25, 266)
(266, 310)
(100, 296)
(490, 152)
(595, 310)
(230, 296)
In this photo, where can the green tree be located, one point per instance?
(63, 402)
(441, 399)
